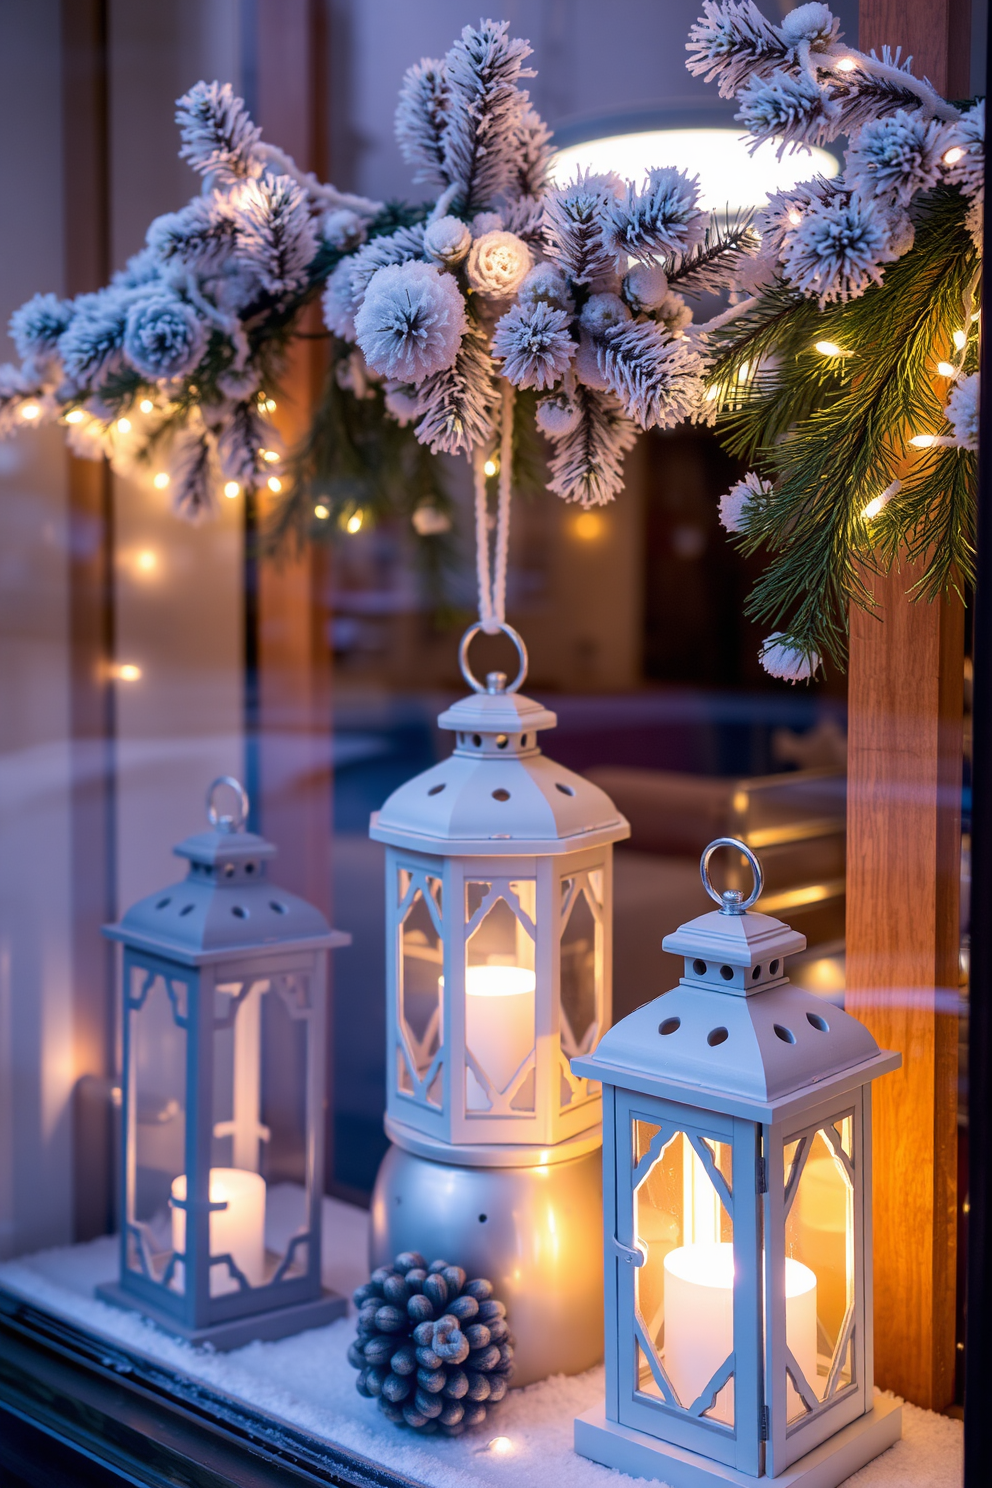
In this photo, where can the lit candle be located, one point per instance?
(238, 1230)
(499, 1025)
(699, 1327)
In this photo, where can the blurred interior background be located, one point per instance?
(633, 614)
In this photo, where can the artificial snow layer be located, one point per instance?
(307, 1382)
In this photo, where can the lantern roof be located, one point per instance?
(497, 794)
(226, 905)
(735, 1029)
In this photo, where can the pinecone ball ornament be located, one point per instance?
(432, 1347)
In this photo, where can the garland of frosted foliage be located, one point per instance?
(844, 373)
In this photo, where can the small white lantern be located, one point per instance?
(737, 1211)
(224, 1046)
(499, 912)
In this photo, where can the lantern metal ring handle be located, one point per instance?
(495, 681)
(732, 901)
(222, 820)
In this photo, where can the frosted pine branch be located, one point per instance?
(573, 225)
(657, 380)
(200, 236)
(277, 238)
(482, 143)
(655, 221)
(457, 408)
(587, 466)
(219, 138)
(420, 117)
(732, 42)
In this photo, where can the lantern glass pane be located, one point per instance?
(581, 972)
(819, 1248)
(259, 1149)
(157, 1009)
(685, 1288)
(420, 991)
(500, 998)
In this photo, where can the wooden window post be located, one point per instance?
(903, 880)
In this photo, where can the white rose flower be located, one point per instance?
(447, 240)
(498, 264)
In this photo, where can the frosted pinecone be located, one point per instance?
(433, 1348)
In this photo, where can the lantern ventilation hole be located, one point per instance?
(277, 908)
(699, 967)
(501, 794)
(756, 973)
(228, 870)
(727, 972)
(436, 790)
(670, 1025)
(773, 968)
(523, 741)
(501, 741)
(477, 740)
(186, 909)
(461, 738)
(717, 1036)
(163, 903)
(483, 1218)
(820, 1024)
(566, 790)
(239, 911)
(249, 867)
(785, 1034)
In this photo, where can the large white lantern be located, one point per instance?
(224, 1048)
(737, 1212)
(499, 911)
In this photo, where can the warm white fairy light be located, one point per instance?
(873, 508)
(269, 405)
(923, 441)
(354, 523)
(846, 64)
(269, 456)
(30, 411)
(123, 426)
(232, 489)
(795, 217)
(953, 155)
(490, 467)
(147, 561)
(946, 369)
(880, 501)
(75, 416)
(126, 671)
(274, 484)
(146, 405)
(827, 348)
(960, 339)
(160, 481)
(321, 512)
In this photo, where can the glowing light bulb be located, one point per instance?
(30, 411)
(501, 1445)
(588, 526)
(146, 405)
(75, 416)
(923, 441)
(146, 561)
(269, 456)
(873, 508)
(274, 484)
(232, 489)
(945, 369)
(126, 671)
(160, 481)
(269, 405)
(490, 467)
(354, 523)
(827, 348)
(321, 512)
(846, 64)
(795, 217)
(953, 155)
(123, 426)
(960, 339)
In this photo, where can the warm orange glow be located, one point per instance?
(846, 64)
(75, 416)
(146, 561)
(146, 405)
(490, 467)
(354, 523)
(269, 456)
(123, 426)
(946, 369)
(321, 511)
(30, 411)
(126, 671)
(274, 484)
(232, 489)
(160, 481)
(588, 526)
(953, 155)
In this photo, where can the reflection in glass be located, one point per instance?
(157, 1009)
(421, 963)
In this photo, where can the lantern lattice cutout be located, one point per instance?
(737, 1214)
(499, 915)
(224, 1034)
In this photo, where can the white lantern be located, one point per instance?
(499, 910)
(737, 1212)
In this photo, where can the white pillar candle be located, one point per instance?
(699, 1322)
(238, 1230)
(499, 1025)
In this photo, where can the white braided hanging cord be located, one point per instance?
(492, 578)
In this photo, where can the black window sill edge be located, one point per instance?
(78, 1410)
